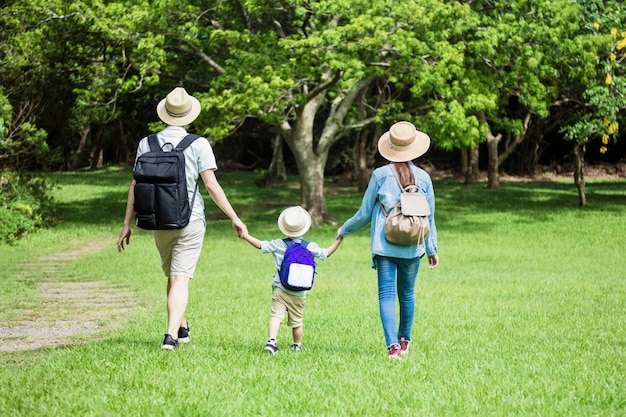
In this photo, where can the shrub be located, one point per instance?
(26, 204)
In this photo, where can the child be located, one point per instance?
(294, 222)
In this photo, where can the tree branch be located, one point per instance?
(197, 51)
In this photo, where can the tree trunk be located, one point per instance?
(312, 191)
(310, 157)
(365, 153)
(493, 179)
(126, 157)
(579, 172)
(277, 174)
(78, 159)
(471, 175)
(97, 146)
(463, 162)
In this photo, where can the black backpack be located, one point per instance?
(161, 200)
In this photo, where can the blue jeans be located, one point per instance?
(404, 286)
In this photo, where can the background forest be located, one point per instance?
(499, 86)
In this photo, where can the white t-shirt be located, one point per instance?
(198, 158)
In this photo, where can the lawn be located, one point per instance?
(524, 317)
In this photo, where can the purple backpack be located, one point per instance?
(297, 271)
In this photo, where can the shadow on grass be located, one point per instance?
(529, 202)
(525, 201)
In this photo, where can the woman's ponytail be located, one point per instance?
(406, 174)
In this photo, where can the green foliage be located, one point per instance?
(22, 144)
(604, 95)
(26, 205)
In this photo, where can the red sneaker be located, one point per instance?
(404, 346)
(394, 351)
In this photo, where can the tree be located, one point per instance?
(598, 102)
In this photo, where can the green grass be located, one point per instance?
(524, 317)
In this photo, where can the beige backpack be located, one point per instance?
(407, 223)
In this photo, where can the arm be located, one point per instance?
(332, 248)
(128, 217)
(252, 240)
(433, 261)
(219, 197)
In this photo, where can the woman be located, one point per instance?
(397, 265)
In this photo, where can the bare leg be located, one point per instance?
(177, 299)
(272, 329)
(297, 335)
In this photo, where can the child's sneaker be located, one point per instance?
(183, 334)
(169, 343)
(404, 346)
(296, 347)
(394, 351)
(271, 347)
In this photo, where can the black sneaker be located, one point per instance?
(169, 343)
(271, 348)
(296, 347)
(183, 334)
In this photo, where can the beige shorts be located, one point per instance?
(292, 306)
(180, 248)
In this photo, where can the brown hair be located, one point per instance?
(406, 174)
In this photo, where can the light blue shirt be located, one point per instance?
(198, 157)
(384, 188)
(278, 247)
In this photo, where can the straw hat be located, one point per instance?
(294, 221)
(403, 142)
(178, 108)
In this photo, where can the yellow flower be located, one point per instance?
(613, 127)
(596, 25)
(607, 120)
(608, 80)
(612, 57)
(614, 33)
(621, 44)
(603, 149)
(605, 139)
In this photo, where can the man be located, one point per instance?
(180, 248)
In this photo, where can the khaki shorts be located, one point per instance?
(180, 248)
(287, 304)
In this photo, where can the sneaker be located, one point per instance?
(271, 348)
(169, 343)
(296, 347)
(394, 351)
(183, 334)
(404, 346)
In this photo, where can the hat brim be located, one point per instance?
(421, 145)
(179, 121)
(294, 233)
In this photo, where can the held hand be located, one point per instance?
(240, 227)
(124, 236)
(433, 261)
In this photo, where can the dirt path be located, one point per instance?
(68, 310)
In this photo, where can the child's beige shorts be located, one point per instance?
(288, 304)
(180, 248)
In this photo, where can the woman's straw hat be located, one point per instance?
(403, 142)
(294, 221)
(178, 108)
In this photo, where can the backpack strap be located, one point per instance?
(154, 143)
(184, 143)
(289, 241)
(187, 140)
(396, 175)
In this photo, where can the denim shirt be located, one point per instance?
(384, 188)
